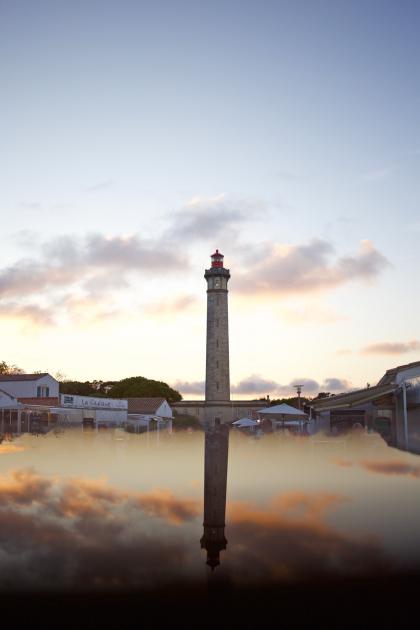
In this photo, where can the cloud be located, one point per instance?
(23, 486)
(307, 268)
(389, 347)
(212, 217)
(343, 463)
(64, 260)
(310, 313)
(295, 541)
(99, 535)
(392, 467)
(6, 449)
(87, 497)
(164, 504)
(102, 537)
(99, 186)
(255, 384)
(169, 307)
(30, 205)
(87, 266)
(336, 385)
(190, 387)
(32, 313)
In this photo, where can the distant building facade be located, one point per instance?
(81, 409)
(30, 385)
(392, 407)
(147, 412)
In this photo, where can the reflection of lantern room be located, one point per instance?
(213, 541)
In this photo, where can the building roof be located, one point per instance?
(389, 376)
(7, 394)
(144, 405)
(357, 397)
(22, 377)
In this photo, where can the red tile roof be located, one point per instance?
(144, 405)
(22, 377)
(45, 402)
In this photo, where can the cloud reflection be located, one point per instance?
(292, 539)
(81, 532)
(392, 467)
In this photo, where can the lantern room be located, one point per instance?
(217, 259)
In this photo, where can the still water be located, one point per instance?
(112, 510)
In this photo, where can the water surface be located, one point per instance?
(111, 510)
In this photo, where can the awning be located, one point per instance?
(279, 411)
(245, 422)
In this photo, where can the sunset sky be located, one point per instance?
(138, 137)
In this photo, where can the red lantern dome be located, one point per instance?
(217, 259)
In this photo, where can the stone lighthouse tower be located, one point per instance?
(217, 349)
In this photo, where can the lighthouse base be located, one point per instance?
(223, 411)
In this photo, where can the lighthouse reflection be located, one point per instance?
(215, 482)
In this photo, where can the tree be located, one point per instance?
(139, 386)
(77, 388)
(293, 401)
(322, 395)
(9, 369)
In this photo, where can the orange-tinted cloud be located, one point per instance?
(24, 486)
(170, 307)
(93, 266)
(287, 270)
(82, 497)
(28, 313)
(392, 467)
(344, 463)
(164, 504)
(87, 497)
(290, 538)
(392, 347)
(60, 533)
(11, 448)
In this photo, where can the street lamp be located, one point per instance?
(298, 391)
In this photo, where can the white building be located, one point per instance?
(30, 385)
(98, 411)
(144, 411)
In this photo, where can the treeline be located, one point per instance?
(293, 401)
(133, 387)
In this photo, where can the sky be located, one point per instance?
(138, 137)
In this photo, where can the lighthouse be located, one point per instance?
(217, 345)
(217, 405)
